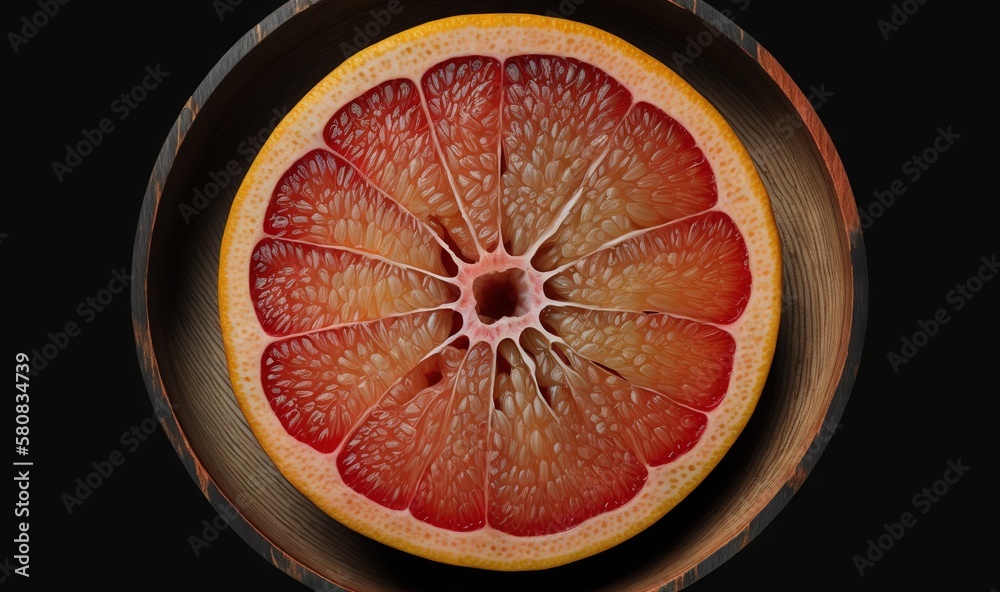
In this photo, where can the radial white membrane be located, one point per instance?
(550, 470)
(320, 384)
(302, 287)
(323, 200)
(385, 133)
(558, 115)
(392, 447)
(452, 492)
(653, 173)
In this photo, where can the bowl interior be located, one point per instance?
(181, 345)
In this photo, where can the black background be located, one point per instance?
(61, 242)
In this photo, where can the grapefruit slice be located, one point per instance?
(500, 291)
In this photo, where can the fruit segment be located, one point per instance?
(690, 362)
(385, 134)
(322, 199)
(558, 117)
(654, 173)
(322, 384)
(463, 100)
(549, 470)
(696, 267)
(300, 287)
(452, 492)
(423, 446)
(388, 452)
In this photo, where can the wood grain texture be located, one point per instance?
(179, 341)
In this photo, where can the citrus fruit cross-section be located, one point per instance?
(500, 291)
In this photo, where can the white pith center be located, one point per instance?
(521, 299)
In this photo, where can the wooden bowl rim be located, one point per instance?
(853, 336)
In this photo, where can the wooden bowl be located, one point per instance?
(180, 345)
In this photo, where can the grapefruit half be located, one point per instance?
(500, 291)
